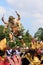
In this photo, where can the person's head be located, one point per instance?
(2, 53)
(11, 17)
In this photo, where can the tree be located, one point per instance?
(2, 35)
(27, 37)
(39, 34)
(1, 28)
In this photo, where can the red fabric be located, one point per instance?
(1, 61)
(7, 63)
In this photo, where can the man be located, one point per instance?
(15, 27)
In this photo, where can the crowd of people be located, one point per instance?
(23, 56)
(35, 53)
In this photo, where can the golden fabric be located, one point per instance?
(3, 44)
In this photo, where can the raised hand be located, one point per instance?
(18, 15)
(16, 11)
(16, 60)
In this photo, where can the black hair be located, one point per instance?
(25, 61)
(2, 53)
(41, 62)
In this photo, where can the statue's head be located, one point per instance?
(11, 18)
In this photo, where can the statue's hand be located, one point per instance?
(16, 11)
(2, 18)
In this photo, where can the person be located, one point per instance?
(15, 27)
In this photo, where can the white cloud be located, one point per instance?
(26, 3)
(12, 2)
(28, 7)
(2, 10)
(37, 15)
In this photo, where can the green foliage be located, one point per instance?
(11, 44)
(7, 34)
(27, 38)
(39, 34)
(18, 43)
(2, 35)
(1, 29)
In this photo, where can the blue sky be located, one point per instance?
(31, 12)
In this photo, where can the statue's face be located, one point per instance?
(11, 17)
